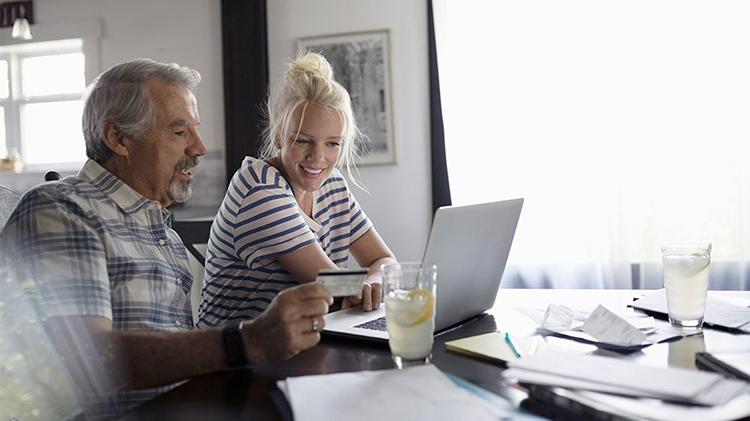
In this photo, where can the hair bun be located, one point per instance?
(309, 64)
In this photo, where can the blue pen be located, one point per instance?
(512, 345)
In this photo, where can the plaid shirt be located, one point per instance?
(94, 246)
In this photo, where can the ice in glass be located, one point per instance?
(685, 269)
(410, 311)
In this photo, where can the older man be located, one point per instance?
(105, 261)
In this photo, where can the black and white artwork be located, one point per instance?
(360, 63)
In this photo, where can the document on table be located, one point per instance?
(417, 393)
(623, 377)
(718, 311)
(625, 330)
(577, 401)
(605, 326)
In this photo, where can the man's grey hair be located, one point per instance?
(118, 96)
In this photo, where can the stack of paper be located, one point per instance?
(418, 393)
(623, 331)
(732, 364)
(586, 404)
(622, 377)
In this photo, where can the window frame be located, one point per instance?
(54, 39)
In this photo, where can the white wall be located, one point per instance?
(399, 202)
(184, 31)
(189, 32)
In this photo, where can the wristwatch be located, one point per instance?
(234, 346)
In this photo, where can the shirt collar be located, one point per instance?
(129, 200)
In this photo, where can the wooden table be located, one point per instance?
(245, 394)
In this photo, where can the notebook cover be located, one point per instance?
(490, 346)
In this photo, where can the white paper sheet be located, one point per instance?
(556, 317)
(652, 409)
(625, 377)
(606, 326)
(417, 393)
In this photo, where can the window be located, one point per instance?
(622, 124)
(41, 85)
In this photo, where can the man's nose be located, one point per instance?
(197, 148)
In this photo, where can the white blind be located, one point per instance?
(623, 124)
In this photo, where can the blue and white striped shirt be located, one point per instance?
(259, 221)
(93, 246)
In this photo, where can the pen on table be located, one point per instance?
(512, 345)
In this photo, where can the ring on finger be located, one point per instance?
(315, 326)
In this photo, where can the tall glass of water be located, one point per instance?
(410, 311)
(685, 268)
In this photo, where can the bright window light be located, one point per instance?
(3, 144)
(623, 124)
(3, 79)
(41, 85)
(68, 74)
(51, 132)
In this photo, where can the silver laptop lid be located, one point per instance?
(470, 246)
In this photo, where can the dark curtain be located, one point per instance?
(245, 61)
(441, 192)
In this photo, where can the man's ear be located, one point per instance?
(115, 139)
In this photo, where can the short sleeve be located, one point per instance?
(50, 247)
(268, 225)
(359, 223)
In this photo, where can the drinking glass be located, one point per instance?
(685, 269)
(409, 290)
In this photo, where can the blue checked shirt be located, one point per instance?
(93, 246)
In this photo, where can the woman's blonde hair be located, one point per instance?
(309, 80)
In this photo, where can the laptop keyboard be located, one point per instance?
(375, 324)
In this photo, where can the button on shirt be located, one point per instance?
(99, 248)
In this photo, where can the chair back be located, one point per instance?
(8, 201)
(194, 234)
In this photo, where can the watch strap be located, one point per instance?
(234, 346)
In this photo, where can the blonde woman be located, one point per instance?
(290, 213)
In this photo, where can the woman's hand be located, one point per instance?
(371, 297)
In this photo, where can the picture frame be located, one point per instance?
(361, 64)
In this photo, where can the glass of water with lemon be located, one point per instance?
(409, 290)
(686, 267)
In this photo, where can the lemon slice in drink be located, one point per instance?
(409, 308)
(425, 297)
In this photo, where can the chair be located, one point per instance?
(9, 198)
(194, 234)
(8, 201)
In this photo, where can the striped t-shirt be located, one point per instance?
(259, 221)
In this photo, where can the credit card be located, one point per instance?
(343, 282)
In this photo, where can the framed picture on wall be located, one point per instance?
(361, 64)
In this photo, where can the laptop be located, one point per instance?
(470, 246)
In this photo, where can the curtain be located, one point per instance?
(622, 124)
(245, 70)
(441, 193)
